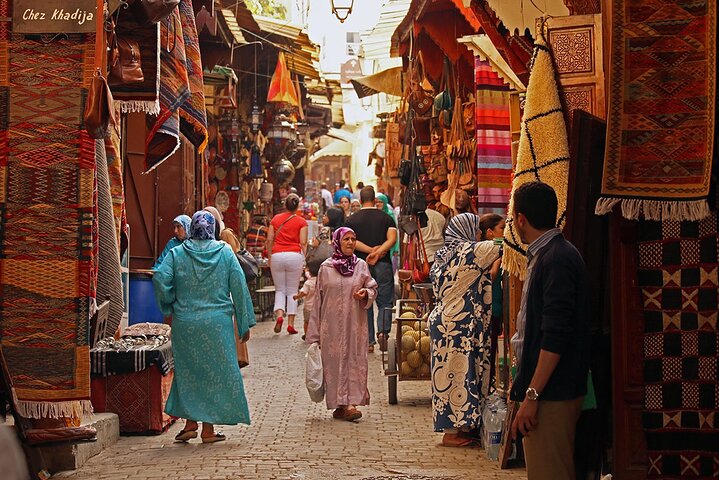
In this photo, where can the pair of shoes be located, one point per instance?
(291, 330)
(186, 435)
(278, 324)
(458, 441)
(217, 437)
(382, 340)
(352, 414)
(371, 349)
(339, 413)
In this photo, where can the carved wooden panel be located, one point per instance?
(577, 48)
(583, 7)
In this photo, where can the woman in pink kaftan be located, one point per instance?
(345, 290)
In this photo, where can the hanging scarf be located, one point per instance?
(462, 228)
(202, 226)
(344, 264)
(183, 221)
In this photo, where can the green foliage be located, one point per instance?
(268, 8)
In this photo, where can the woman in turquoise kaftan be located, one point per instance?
(201, 284)
(181, 224)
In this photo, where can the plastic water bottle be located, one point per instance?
(494, 414)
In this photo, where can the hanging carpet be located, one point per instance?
(543, 151)
(163, 137)
(193, 119)
(142, 96)
(47, 170)
(494, 140)
(661, 109)
(677, 277)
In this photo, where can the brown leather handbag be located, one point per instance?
(125, 63)
(99, 110)
(152, 11)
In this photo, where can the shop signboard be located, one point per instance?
(53, 16)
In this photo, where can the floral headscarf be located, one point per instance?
(183, 221)
(202, 226)
(462, 228)
(344, 264)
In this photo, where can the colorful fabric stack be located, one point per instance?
(193, 119)
(661, 116)
(543, 153)
(494, 140)
(163, 138)
(678, 268)
(47, 171)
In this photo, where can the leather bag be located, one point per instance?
(249, 265)
(99, 110)
(125, 64)
(152, 11)
(417, 258)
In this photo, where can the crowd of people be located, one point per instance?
(349, 268)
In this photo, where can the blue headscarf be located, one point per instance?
(202, 226)
(184, 221)
(462, 228)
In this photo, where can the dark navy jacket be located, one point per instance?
(557, 321)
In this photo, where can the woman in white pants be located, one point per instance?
(286, 246)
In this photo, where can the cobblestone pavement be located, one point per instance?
(293, 438)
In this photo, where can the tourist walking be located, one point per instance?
(376, 235)
(286, 246)
(181, 225)
(344, 290)
(202, 286)
(382, 203)
(552, 340)
(459, 330)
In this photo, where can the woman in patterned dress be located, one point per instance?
(201, 284)
(459, 329)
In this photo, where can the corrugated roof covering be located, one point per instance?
(228, 18)
(376, 43)
(303, 56)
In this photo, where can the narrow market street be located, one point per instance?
(293, 438)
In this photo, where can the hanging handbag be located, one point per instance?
(125, 65)
(152, 11)
(420, 263)
(99, 110)
(249, 265)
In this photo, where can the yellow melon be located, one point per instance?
(416, 326)
(424, 346)
(414, 359)
(408, 343)
(406, 328)
(424, 370)
(415, 335)
(406, 369)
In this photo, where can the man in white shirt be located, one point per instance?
(326, 197)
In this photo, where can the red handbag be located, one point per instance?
(417, 257)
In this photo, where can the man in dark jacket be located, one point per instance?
(552, 340)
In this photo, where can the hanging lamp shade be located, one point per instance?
(281, 87)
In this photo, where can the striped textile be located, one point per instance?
(494, 140)
(193, 118)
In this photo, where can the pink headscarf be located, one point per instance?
(344, 264)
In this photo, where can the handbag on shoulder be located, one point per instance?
(249, 265)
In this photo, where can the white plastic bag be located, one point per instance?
(313, 373)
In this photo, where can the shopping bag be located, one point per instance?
(313, 373)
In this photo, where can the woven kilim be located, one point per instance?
(47, 170)
(543, 153)
(494, 140)
(117, 190)
(660, 128)
(678, 280)
(193, 120)
(143, 96)
(163, 137)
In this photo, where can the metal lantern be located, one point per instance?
(266, 192)
(255, 118)
(283, 171)
(342, 9)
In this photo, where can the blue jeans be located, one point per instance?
(384, 276)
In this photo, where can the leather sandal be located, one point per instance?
(217, 437)
(352, 414)
(186, 435)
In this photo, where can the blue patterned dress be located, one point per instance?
(202, 286)
(459, 330)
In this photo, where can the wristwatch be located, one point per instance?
(532, 394)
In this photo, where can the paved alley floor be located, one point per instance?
(293, 438)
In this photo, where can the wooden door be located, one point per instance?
(630, 453)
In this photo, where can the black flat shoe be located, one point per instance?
(185, 435)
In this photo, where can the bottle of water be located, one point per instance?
(493, 420)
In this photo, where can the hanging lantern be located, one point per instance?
(256, 170)
(342, 9)
(283, 171)
(266, 192)
(255, 118)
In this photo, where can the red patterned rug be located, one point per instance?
(661, 109)
(678, 268)
(47, 172)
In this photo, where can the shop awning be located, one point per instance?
(303, 56)
(337, 148)
(227, 17)
(376, 43)
(387, 81)
(481, 45)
